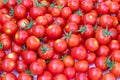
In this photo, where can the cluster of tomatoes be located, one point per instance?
(59, 39)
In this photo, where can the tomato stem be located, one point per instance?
(28, 72)
(1, 46)
(82, 29)
(109, 63)
(30, 24)
(68, 35)
(37, 4)
(60, 7)
(12, 12)
(79, 12)
(19, 1)
(95, 27)
(44, 49)
(63, 57)
(5, 2)
(24, 47)
(106, 32)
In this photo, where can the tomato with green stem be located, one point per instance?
(22, 23)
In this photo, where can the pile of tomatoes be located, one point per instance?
(59, 39)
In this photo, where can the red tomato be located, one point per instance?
(69, 72)
(24, 75)
(60, 21)
(42, 62)
(91, 57)
(115, 55)
(10, 76)
(114, 7)
(109, 76)
(56, 66)
(114, 45)
(73, 4)
(66, 12)
(41, 20)
(68, 61)
(27, 4)
(60, 76)
(81, 76)
(16, 48)
(12, 55)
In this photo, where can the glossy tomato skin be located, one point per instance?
(16, 48)
(91, 56)
(41, 20)
(12, 55)
(69, 72)
(22, 23)
(32, 42)
(25, 76)
(81, 66)
(46, 75)
(55, 12)
(114, 7)
(2, 54)
(61, 2)
(94, 73)
(81, 76)
(5, 18)
(20, 37)
(27, 4)
(66, 12)
(45, 54)
(79, 53)
(73, 4)
(21, 66)
(8, 65)
(10, 76)
(68, 61)
(53, 31)
(61, 21)
(60, 45)
(10, 28)
(91, 44)
(60, 76)
(36, 68)
(114, 45)
(109, 76)
(103, 50)
(20, 11)
(115, 55)
(55, 66)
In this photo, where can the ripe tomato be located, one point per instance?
(53, 31)
(115, 55)
(46, 75)
(114, 45)
(79, 53)
(10, 76)
(91, 57)
(21, 66)
(91, 44)
(66, 12)
(61, 21)
(36, 68)
(10, 28)
(16, 48)
(94, 73)
(81, 66)
(61, 2)
(20, 37)
(60, 76)
(27, 4)
(8, 65)
(68, 61)
(73, 4)
(2, 54)
(22, 23)
(32, 42)
(45, 51)
(81, 76)
(55, 66)
(12, 55)
(55, 11)
(60, 45)
(69, 72)
(5, 18)
(114, 7)
(41, 20)
(25, 76)
(109, 76)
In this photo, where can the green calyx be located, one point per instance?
(109, 63)
(68, 35)
(29, 26)
(95, 27)
(1, 46)
(19, 1)
(44, 49)
(47, 61)
(5, 2)
(82, 29)
(63, 57)
(24, 47)
(53, 4)
(37, 4)
(28, 72)
(106, 32)
(12, 12)
(60, 7)
(79, 12)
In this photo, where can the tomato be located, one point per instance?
(60, 45)
(20, 37)
(20, 11)
(113, 33)
(103, 8)
(86, 30)
(16, 48)
(108, 76)
(71, 26)
(94, 73)
(114, 7)
(103, 50)
(61, 2)
(60, 76)
(2, 54)
(56, 56)
(60, 21)
(69, 72)
(21, 66)
(8, 76)
(49, 18)
(41, 20)
(8, 65)
(87, 5)
(25, 76)
(55, 11)
(100, 62)
(22, 23)
(38, 30)
(115, 69)
(53, 31)
(118, 28)
(91, 57)
(5, 18)
(11, 3)
(10, 28)
(89, 18)
(115, 55)
(73, 4)
(55, 66)
(26, 55)
(81, 76)
(3, 36)
(45, 51)
(27, 4)
(32, 42)
(91, 44)
(46, 75)
(106, 20)
(103, 36)
(79, 53)
(36, 68)
(12, 55)
(81, 66)
(114, 45)
(5, 44)
(66, 12)
(118, 16)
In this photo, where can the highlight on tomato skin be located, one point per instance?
(59, 39)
